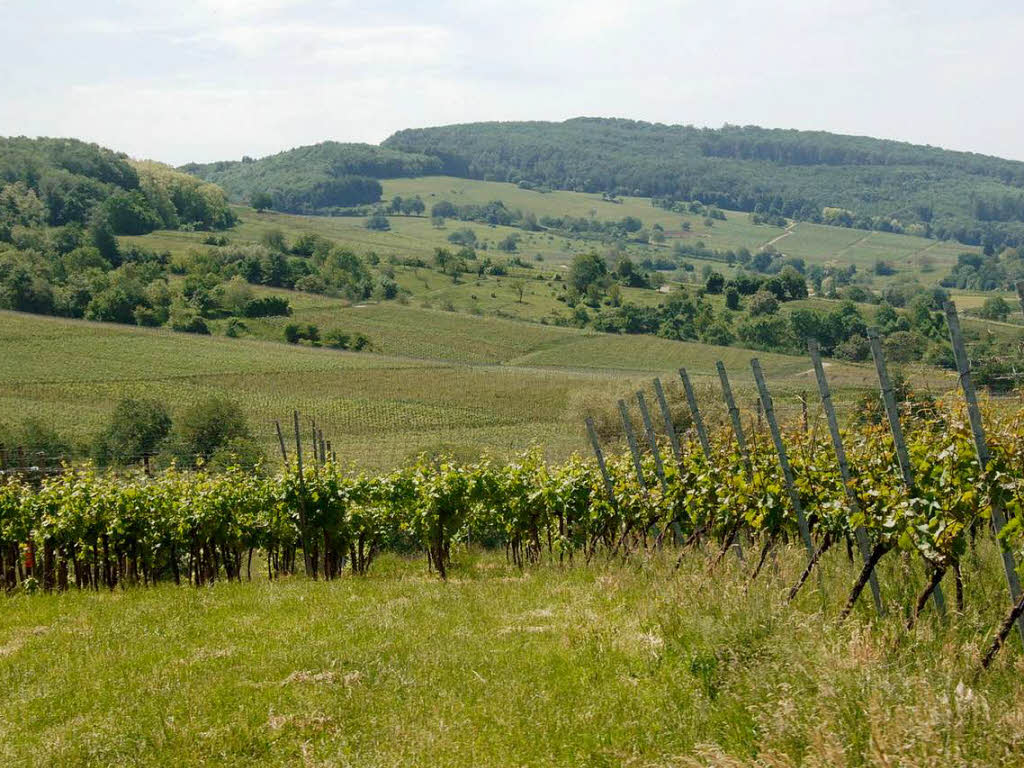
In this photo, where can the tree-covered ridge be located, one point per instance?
(316, 178)
(863, 182)
(66, 182)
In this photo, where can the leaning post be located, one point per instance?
(652, 440)
(963, 367)
(893, 415)
(307, 561)
(734, 415)
(780, 449)
(844, 467)
(666, 416)
(596, 445)
(698, 422)
(280, 442)
(634, 448)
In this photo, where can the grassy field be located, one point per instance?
(415, 236)
(435, 379)
(613, 664)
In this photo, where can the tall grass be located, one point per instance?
(607, 664)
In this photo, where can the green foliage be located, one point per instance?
(267, 306)
(261, 201)
(587, 269)
(317, 178)
(39, 441)
(137, 429)
(378, 222)
(185, 319)
(813, 176)
(214, 425)
(294, 333)
(129, 213)
(524, 504)
(995, 308)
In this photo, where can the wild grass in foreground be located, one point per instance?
(607, 664)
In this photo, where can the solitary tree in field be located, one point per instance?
(586, 269)
(519, 286)
(261, 201)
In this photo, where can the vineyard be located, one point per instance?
(737, 585)
(921, 492)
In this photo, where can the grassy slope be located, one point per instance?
(493, 384)
(817, 244)
(417, 389)
(416, 236)
(608, 665)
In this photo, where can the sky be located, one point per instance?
(203, 80)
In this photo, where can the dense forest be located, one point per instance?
(814, 176)
(317, 178)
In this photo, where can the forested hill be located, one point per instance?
(316, 178)
(808, 175)
(58, 182)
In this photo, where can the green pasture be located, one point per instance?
(609, 664)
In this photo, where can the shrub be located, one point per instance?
(994, 308)
(185, 319)
(855, 349)
(34, 437)
(379, 222)
(267, 306)
(763, 303)
(294, 333)
(337, 339)
(136, 429)
(209, 426)
(465, 237)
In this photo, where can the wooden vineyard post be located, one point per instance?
(780, 449)
(963, 367)
(302, 505)
(280, 442)
(596, 445)
(316, 445)
(844, 467)
(734, 415)
(652, 439)
(893, 415)
(1020, 294)
(666, 416)
(698, 422)
(737, 429)
(634, 449)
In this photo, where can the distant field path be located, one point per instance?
(789, 231)
(852, 245)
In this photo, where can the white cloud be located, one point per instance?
(204, 79)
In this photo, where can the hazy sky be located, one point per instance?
(215, 79)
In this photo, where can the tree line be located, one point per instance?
(889, 186)
(316, 179)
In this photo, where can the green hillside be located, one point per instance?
(868, 183)
(515, 384)
(66, 182)
(315, 178)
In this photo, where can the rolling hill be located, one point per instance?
(807, 175)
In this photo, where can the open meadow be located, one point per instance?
(608, 664)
